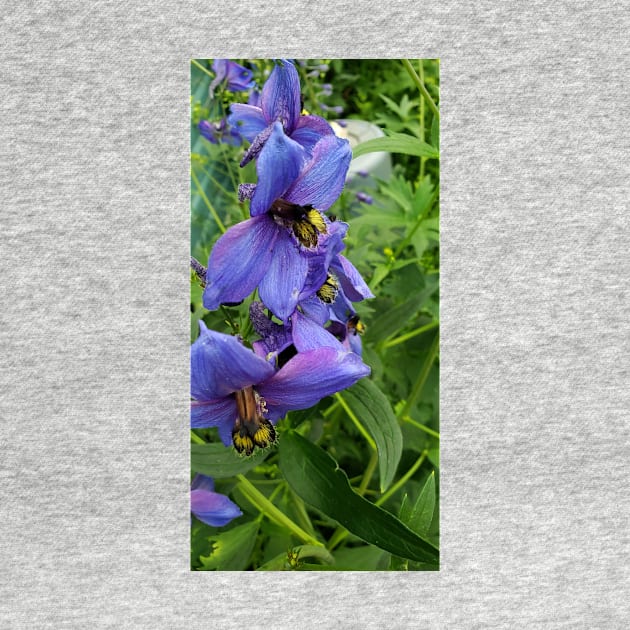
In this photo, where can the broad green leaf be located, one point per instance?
(396, 143)
(418, 516)
(231, 549)
(374, 412)
(220, 461)
(317, 479)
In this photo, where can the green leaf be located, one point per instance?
(231, 549)
(419, 515)
(359, 558)
(390, 322)
(374, 412)
(317, 479)
(216, 460)
(397, 143)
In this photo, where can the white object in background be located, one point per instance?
(358, 131)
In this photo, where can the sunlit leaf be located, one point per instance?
(231, 549)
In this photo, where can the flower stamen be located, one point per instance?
(251, 428)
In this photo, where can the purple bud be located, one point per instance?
(326, 89)
(362, 173)
(365, 198)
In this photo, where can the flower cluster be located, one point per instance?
(290, 252)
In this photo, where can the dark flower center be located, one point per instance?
(306, 221)
(327, 293)
(251, 428)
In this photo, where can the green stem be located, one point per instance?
(229, 319)
(356, 422)
(213, 212)
(422, 376)
(422, 427)
(369, 471)
(403, 480)
(303, 517)
(422, 159)
(228, 166)
(262, 503)
(410, 335)
(423, 90)
(195, 438)
(196, 63)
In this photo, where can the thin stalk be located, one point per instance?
(262, 503)
(422, 376)
(410, 335)
(228, 166)
(355, 420)
(195, 438)
(195, 63)
(300, 508)
(423, 90)
(229, 319)
(422, 159)
(403, 480)
(422, 427)
(213, 212)
(369, 471)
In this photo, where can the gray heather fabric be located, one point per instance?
(94, 320)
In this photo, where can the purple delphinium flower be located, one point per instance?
(333, 282)
(237, 77)
(336, 109)
(216, 132)
(299, 335)
(327, 89)
(271, 250)
(209, 506)
(280, 102)
(348, 332)
(243, 395)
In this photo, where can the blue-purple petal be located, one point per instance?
(278, 166)
(310, 130)
(309, 335)
(220, 365)
(239, 260)
(353, 285)
(284, 278)
(239, 78)
(310, 376)
(323, 178)
(213, 508)
(280, 99)
(315, 309)
(202, 482)
(220, 413)
(247, 119)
